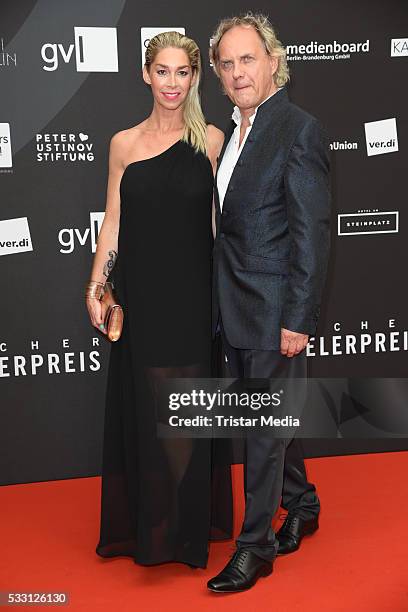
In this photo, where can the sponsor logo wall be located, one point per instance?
(53, 173)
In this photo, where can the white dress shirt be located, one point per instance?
(233, 150)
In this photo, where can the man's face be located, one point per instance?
(245, 68)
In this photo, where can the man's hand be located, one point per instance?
(292, 343)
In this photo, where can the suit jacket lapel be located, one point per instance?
(228, 135)
(264, 118)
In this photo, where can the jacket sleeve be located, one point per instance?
(307, 191)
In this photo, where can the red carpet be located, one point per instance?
(356, 562)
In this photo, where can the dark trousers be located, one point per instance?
(274, 469)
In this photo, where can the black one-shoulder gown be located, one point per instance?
(162, 499)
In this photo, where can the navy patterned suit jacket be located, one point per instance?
(272, 237)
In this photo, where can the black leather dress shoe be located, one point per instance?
(241, 573)
(292, 531)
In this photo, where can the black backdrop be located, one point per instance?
(60, 87)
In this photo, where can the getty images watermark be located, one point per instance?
(228, 407)
(308, 408)
(221, 399)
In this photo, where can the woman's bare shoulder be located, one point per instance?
(125, 141)
(128, 135)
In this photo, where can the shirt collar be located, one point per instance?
(236, 114)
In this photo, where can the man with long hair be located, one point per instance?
(272, 212)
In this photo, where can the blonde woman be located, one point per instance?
(157, 240)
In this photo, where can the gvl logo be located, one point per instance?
(68, 237)
(366, 222)
(5, 146)
(15, 236)
(381, 136)
(96, 50)
(399, 47)
(147, 33)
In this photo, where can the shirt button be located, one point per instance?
(240, 162)
(222, 235)
(231, 188)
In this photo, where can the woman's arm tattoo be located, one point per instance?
(107, 268)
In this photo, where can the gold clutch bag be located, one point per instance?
(114, 314)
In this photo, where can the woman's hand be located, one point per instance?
(97, 310)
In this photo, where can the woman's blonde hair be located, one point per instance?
(195, 131)
(266, 32)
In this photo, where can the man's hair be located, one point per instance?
(267, 34)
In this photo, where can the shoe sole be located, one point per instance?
(264, 574)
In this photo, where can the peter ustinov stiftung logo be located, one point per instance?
(334, 50)
(399, 47)
(368, 222)
(6, 160)
(381, 136)
(147, 33)
(15, 236)
(96, 50)
(64, 147)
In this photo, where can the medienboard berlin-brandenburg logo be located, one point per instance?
(334, 50)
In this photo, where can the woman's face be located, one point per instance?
(170, 77)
